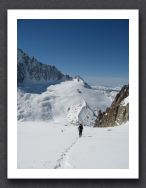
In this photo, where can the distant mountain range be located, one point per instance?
(30, 70)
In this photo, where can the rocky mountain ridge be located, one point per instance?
(117, 113)
(30, 70)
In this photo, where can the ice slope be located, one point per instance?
(52, 145)
(66, 102)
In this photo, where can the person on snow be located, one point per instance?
(80, 129)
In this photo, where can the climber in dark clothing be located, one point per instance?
(80, 128)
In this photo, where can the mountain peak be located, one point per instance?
(31, 71)
(81, 80)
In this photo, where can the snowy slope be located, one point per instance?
(67, 102)
(53, 145)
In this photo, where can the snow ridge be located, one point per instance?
(69, 102)
(86, 115)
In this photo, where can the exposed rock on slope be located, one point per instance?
(118, 112)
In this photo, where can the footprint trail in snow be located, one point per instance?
(63, 160)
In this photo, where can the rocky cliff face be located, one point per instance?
(118, 112)
(30, 70)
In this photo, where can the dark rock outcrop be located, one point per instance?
(117, 113)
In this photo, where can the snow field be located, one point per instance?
(102, 148)
(53, 146)
(41, 144)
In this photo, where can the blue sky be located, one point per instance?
(97, 50)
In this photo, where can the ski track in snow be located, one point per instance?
(63, 160)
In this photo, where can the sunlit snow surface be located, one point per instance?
(53, 146)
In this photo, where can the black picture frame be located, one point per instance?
(72, 4)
